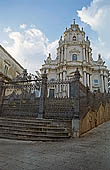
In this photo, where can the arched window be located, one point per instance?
(52, 79)
(74, 38)
(6, 70)
(51, 93)
(96, 81)
(74, 57)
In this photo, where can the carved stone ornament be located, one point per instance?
(74, 51)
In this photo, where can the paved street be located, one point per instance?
(87, 153)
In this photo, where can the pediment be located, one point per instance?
(74, 50)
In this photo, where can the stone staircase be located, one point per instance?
(33, 129)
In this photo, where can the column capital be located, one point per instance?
(84, 70)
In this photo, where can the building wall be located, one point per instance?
(9, 67)
(109, 82)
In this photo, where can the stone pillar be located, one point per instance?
(57, 76)
(91, 82)
(106, 83)
(42, 103)
(58, 90)
(75, 94)
(85, 79)
(60, 76)
(67, 91)
(64, 88)
(84, 53)
(2, 90)
(88, 80)
(102, 84)
(64, 75)
(65, 54)
(61, 54)
(87, 54)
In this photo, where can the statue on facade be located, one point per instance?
(48, 60)
(100, 61)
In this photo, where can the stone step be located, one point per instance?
(25, 123)
(15, 130)
(25, 138)
(30, 135)
(35, 128)
(33, 120)
(46, 121)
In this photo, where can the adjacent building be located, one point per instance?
(9, 67)
(74, 51)
(109, 82)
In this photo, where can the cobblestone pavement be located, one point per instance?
(91, 152)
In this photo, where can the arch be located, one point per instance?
(74, 38)
(74, 57)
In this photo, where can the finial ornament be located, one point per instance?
(87, 38)
(45, 71)
(74, 21)
(49, 55)
(99, 56)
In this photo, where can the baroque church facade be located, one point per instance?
(74, 52)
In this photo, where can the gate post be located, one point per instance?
(43, 96)
(76, 96)
(1, 94)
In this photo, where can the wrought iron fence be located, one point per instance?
(21, 97)
(33, 96)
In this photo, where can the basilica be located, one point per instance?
(74, 52)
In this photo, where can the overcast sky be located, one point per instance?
(30, 29)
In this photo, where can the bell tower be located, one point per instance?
(73, 46)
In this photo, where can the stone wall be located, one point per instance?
(59, 108)
(93, 118)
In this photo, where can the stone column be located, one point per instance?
(102, 84)
(68, 90)
(65, 53)
(91, 82)
(87, 54)
(88, 80)
(57, 76)
(2, 91)
(84, 53)
(60, 76)
(85, 79)
(61, 54)
(64, 75)
(42, 103)
(106, 83)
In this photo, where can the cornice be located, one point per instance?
(11, 57)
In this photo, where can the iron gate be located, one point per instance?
(28, 96)
(20, 97)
